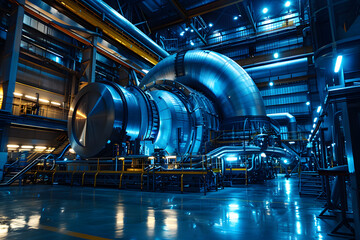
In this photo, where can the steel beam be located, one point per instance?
(207, 8)
(8, 77)
(249, 15)
(119, 36)
(11, 57)
(39, 14)
(88, 63)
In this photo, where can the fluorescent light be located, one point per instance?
(271, 84)
(40, 147)
(30, 97)
(265, 10)
(287, 4)
(12, 146)
(315, 119)
(27, 146)
(18, 94)
(338, 63)
(210, 25)
(56, 103)
(43, 100)
(312, 130)
(236, 18)
(276, 55)
(291, 142)
(314, 125)
(307, 103)
(231, 159)
(145, 71)
(318, 109)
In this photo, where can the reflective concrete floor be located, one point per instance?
(272, 210)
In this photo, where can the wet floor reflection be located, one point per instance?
(270, 211)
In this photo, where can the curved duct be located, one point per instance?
(221, 79)
(174, 111)
(292, 128)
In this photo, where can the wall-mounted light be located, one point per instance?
(18, 94)
(338, 64)
(231, 159)
(30, 97)
(44, 100)
(56, 103)
(12, 146)
(265, 10)
(27, 147)
(318, 109)
(287, 4)
(307, 103)
(276, 55)
(271, 83)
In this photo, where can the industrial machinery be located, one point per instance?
(194, 103)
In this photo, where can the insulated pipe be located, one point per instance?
(292, 128)
(124, 25)
(218, 77)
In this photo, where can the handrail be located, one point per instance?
(24, 170)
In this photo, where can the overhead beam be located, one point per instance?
(207, 8)
(186, 18)
(249, 15)
(53, 22)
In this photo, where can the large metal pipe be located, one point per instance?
(124, 25)
(174, 111)
(217, 76)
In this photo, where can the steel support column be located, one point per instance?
(351, 115)
(11, 57)
(9, 64)
(88, 63)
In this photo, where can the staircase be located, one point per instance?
(60, 148)
(12, 177)
(310, 183)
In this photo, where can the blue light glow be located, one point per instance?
(191, 43)
(182, 33)
(338, 63)
(318, 109)
(231, 159)
(315, 119)
(271, 84)
(307, 103)
(236, 18)
(210, 25)
(108, 142)
(287, 4)
(276, 55)
(265, 10)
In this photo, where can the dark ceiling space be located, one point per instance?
(171, 17)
